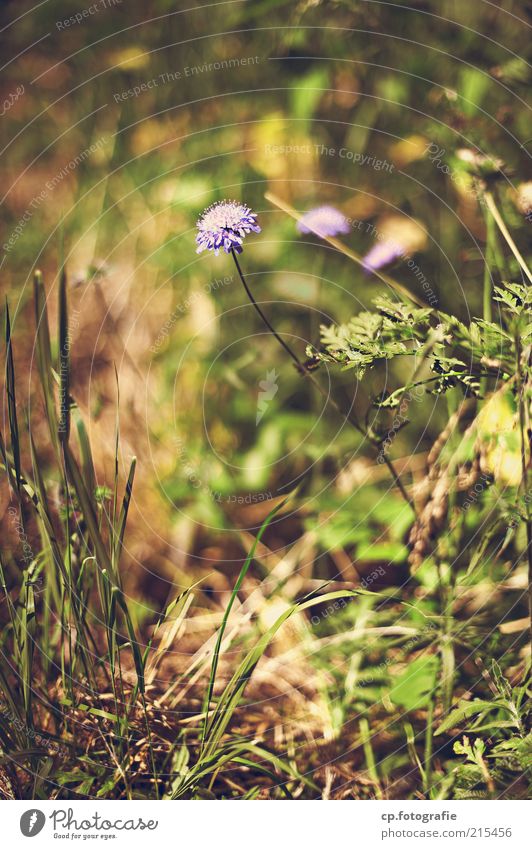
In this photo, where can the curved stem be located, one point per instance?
(305, 371)
(299, 365)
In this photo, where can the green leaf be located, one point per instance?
(414, 688)
(465, 710)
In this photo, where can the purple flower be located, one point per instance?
(396, 236)
(381, 254)
(323, 221)
(225, 225)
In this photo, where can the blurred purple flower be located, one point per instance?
(224, 225)
(381, 254)
(323, 221)
(396, 236)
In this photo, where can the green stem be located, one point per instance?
(487, 296)
(427, 776)
(488, 280)
(150, 746)
(365, 737)
(521, 394)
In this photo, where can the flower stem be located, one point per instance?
(488, 281)
(299, 365)
(305, 371)
(522, 394)
(490, 235)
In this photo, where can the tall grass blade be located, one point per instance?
(44, 354)
(64, 362)
(235, 688)
(122, 519)
(87, 463)
(12, 401)
(236, 588)
(102, 556)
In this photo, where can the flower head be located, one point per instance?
(524, 199)
(225, 224)
(323, 221)
(479, 164)
(381, 254)
(397, 236)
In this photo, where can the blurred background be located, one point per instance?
(121, 122)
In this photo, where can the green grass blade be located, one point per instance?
(12, 401)
(135, 644)
(28, 629)
(122, 519)
(85, 502)
(234, 690)
(102, 556)
(238, 584)
(44, 354)
(39, 499)
(64, 362)
(87, 463)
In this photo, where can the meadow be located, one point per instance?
(265, 433)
